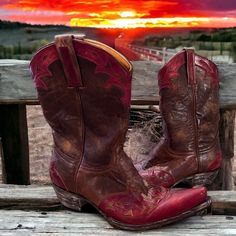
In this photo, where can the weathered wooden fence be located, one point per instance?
(17, 91)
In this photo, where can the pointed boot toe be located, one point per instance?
(184, 200)
(181, 203)
(159, 207)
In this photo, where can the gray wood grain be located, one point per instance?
(227, 73)
(23, 220)
(18, 222)
(225, 179)
(28, 197)
(16, 85)
(38, 197)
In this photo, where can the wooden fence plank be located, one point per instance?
(16, 85)
(15, 148)
(49, 217)
(225, 180)
(43, 197)
(73, 223)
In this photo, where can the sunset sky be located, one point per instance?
(122, 13)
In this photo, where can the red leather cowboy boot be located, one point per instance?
(189, 105)
(84, 88)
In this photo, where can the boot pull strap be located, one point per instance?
(190, 65)
(65, 49)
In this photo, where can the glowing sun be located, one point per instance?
(126, 14)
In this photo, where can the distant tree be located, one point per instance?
(221, 48)
(19, 49)
(1, 51)
(222, 37)
(4, 52)
(10, 52)
(204, 38)
(233, 51)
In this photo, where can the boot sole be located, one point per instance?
(75, 202)
(201, 179)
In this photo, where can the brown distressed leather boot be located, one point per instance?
(189, 104)
(84, 88)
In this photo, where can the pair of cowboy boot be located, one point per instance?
(84, 88)
(189, 151)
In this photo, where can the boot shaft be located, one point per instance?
(89, 119)
(189, 102)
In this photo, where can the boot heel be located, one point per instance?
(204, 179)
(69, 200)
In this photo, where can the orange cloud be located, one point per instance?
(122, 13)
(153, 22)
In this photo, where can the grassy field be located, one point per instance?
(211, 43)
(20, 41)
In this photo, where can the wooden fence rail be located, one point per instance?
(35, 210)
